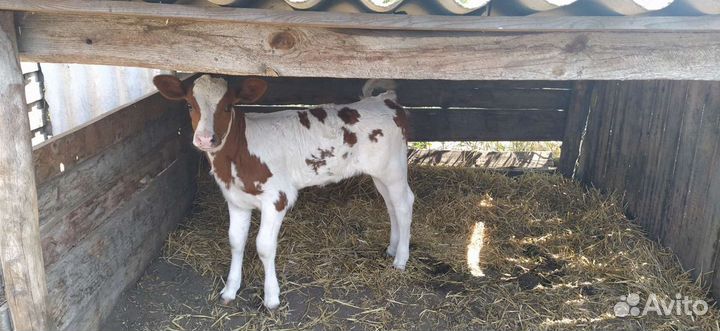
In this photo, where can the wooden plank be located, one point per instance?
(77, 145)
(694, 236)
(66, 229)
(20, 252)
(267, 50)
(486, 125)
(114, 255)
(504, 161)
(575, 127)
(413, 93)
(97, 167)
(363, 21)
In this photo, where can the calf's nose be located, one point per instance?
(205, 140)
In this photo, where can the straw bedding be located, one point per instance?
(554, 256)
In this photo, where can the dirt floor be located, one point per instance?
(555, 256)
(172, 297)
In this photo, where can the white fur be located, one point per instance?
(284, 144)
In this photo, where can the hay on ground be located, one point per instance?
(553, 255)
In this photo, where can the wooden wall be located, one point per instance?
(109, 193)
(658, 143)
(445, 110)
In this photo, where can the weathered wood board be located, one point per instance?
(281, 50)
(575, 127)
(658, 144)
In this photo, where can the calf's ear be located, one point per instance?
(170, 87)
(250, 91)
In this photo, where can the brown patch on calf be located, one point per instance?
(281, 202)
(319, 113)
(345, 155)
(349, 115)
(349, 137)
(223, 114)
(401, 118)
(194, 110)
(317, 162)
(304, 120)
(374, 134)
(251, 171)
(326, 153)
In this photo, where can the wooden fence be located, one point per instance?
(658, 144)
(446, 110)
(109, 192)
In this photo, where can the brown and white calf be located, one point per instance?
(262, 160)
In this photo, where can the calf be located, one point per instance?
(262, 160)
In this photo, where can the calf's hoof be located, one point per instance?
(390, 252)
(227, 296)
(272, 303)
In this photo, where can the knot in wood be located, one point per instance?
(282, 40)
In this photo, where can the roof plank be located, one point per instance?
(364, 20)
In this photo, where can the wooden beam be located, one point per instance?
(20, 252)
(414, 93)
(362, 20)
(475, 124)
(252, 49)
(486, 125)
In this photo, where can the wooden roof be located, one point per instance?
(252, 41)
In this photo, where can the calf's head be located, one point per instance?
(211, 103)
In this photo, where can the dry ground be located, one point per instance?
(554, 256)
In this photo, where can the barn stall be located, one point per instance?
(633, 98)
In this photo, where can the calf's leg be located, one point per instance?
(392, 247)
(266, 241)
(402, 200)
(238, 232)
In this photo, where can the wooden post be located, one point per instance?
(20, 250)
